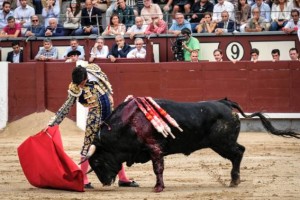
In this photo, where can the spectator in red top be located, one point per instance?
(12, 29)
(157, 26)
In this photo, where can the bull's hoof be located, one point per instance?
(235, 183)
(158, 189)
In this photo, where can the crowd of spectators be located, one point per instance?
(84, 17)
(51, 18)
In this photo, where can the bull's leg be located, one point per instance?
(235, 154)
(158, 168)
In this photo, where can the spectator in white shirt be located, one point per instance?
(23, 13)
(220, 7)
(138, 28)
(139, 51)
(294, 54)
(149, 10)
(280, 15)
(293, 23)
(5, 13)
(99, 50)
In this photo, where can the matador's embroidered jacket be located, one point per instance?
(96, 95)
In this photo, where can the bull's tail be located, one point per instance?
(265, 122)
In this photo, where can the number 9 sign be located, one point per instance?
(234, 51)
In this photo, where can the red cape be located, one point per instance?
(46, 165)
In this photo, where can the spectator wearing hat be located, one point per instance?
(47, 52)
(74, 45)
(189, 44)
(11, 30)
(73, 56)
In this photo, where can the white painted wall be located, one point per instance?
(3, 94)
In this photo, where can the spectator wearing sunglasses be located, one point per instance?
(36, 29)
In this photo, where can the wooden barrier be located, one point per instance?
(263, 86)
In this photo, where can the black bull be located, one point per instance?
(127, 136)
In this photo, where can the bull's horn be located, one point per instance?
(91, 151)
(89, 154)
(89, 171)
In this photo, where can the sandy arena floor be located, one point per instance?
(269, 170)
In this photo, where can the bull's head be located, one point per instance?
(104, 165)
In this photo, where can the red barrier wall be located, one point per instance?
(262, 86)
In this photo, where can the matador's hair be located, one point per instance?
(79, 74)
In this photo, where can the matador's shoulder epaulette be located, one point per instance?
(74, 90)
(93, 67)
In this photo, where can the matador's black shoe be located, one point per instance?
(128, 184)
(88, 186)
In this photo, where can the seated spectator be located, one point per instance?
(54, 29)
(218, 55)
(294, 4)
(149, 10)
(220, 7)
(15, 56)
(50, 11)
(206, 24)
(74, 45)
(125, 13)
(178, 24)
(36, 29)
(139, 51)
(110, 10)
(17, 3)
(254, 53)
(183, 6)
(194, 56)
(23, 13)
(47, 52)
(89, 22)
(136, 5)
(73, 16)
(158, 26)
(275, 55)
(138, 28)
(256, 23)
(119, 50)
(294, 55)
(265, 12)
(5, 13)
(73, 56)
(293, 23)
(226, 25)
(100, 4)
(280, 15)
(115, 27)
(99, 50)
(165, 5)
(242, 14)
(189, 44)
(11, 30)
(198, 12)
